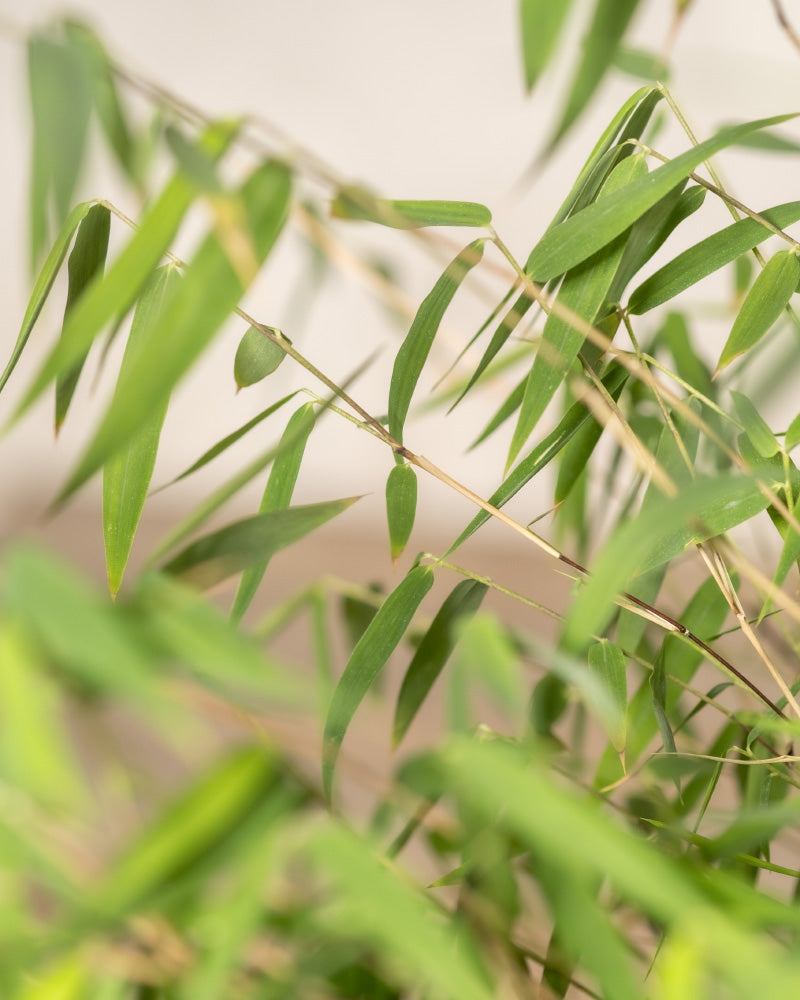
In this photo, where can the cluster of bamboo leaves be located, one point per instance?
(627, 831)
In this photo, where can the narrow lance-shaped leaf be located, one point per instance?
(581, 235)
(127, 473)
(755, 427)
(708, 256)
(608, 662)
(413, 353)
(86, 263)
(44, 284)
(433, 652)
(583, 291)
(113, 296)
(209, 292)
(541, 22)
(277, 494)
(256, 357)
(368, 659)
(358, 203)
(765, 301)
(249, 542)
(401, 506)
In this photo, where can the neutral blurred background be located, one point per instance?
(419, 100)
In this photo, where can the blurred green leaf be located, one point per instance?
(766, 300)
(44, 283)
(792, 438)
(413, 353)
(358, 203)
(708, 256)
(578, 237)
(541, 23)
(249, 542)
(196, 164)
(608, 661)
(127, 472)
(433, 652)
(86, 263)
(756, 428)
(256, 357)
(641, 64)
(401, 507)
(277, 494)
(368, 659)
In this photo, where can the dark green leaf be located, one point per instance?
(413, 353)
(541, 23)
(708, 256)
(358, 203)
(368, 659)
(433, 652)
(256, 357)
(401, 507)
(86, 263)
(249, 542)
(277, 494)
(766, 300)
(608, 661)
(658, 688)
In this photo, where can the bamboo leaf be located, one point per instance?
(541, 23)
(358, 203)
(250, 541)
(658, 688)
(210, 290)
(413, 353)
(86, 263)
(256, 357)
(599, 45)
(708, 256)
(608, 662)
(277, 494)
(578, 237)
(640, 64)
(44, 283)
(755, 427)
(401, 507)
(367, 660)
(196, 164)
(765, 301)
(433, 652)
(792, 438)
(583, 291)
(127, 473)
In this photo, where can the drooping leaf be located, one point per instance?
(249, 542)
(541, 23)
(607, 660)
(277, 494)
(368, 659)
(434, 651)
(358, 203)
(708, 256)
(578, 237)
(44, 283)
(127, 472)
(640, 64)
(766, 300)
(414, 351)
(755, 427)
(658, 688)
(196, 164)
(86, 263)
(211, 288)
(256, 357)
(401, 506)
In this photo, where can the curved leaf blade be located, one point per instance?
(358, 203)
(401, 507)
(256, 357)
(541, 23)
(607, 662)
(367, 660)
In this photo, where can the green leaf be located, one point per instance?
(608, 662)
(708, 256)
(599, 45)
(640, 64)
(434, 651)
(86, 263)
(658, 688)
(792, 438)
(44, 283)
(256, 357)
(542, 454)
(578, 237)
(541, 23)
(111, 298)
(755, 427)
(358, 203)
(127, 472)
(195, 163)
(368, 659)
(766, 300)
(704, 508)
(277, 494)
(413, 353)
(584, 292)
(248, 542)
(210, 290)
(401, 507)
